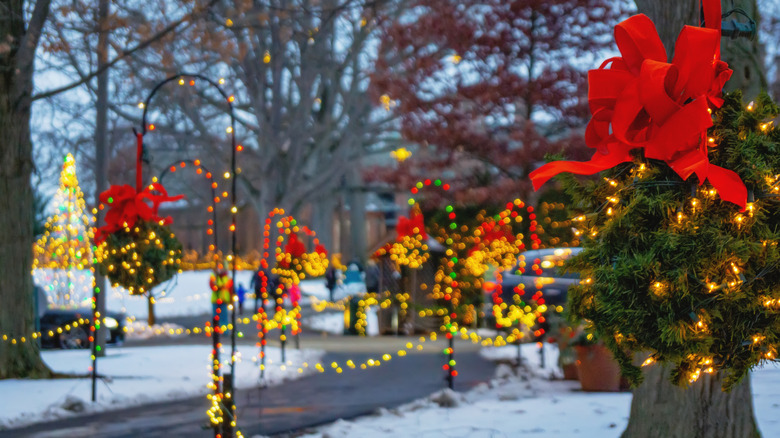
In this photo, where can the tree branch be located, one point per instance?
(166, 30)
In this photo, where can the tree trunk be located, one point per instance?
(357, 217)
(669, 18)
(20, 358)
(150, 318)
(742, 55)
(745, 58)
(661, 410)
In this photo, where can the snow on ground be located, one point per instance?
(316, 288)
(331, 322)
(134, 376)
(187, 294)
(141, 330)
(530, 406)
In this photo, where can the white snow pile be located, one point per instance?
(524, 404)
(134, 376)
(142, 330)
(531, 358)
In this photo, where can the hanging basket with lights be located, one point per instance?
(410, 248)
(136, 248)
(494, 245)
(294, 263)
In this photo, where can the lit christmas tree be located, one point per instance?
(63, 255)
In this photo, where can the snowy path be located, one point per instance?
(136, 376)
(306, 402)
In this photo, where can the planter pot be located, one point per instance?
(570, 371)
(597, 369)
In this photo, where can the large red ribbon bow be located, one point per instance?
(126, 206)
(406, 227)
(294, 246)
(642, 101)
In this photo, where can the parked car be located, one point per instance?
(537, 276)
(58, 330)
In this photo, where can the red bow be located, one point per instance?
(126, 207)
(406, 227)
(294, 246)
(641, 101)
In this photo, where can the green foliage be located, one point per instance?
(139, 259)
(668, 268)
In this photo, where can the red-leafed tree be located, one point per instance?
(487, 88)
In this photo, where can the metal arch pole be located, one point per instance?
(233, 210)
(213, 196)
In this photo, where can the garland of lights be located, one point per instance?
(446, 287)
(262, 317)
(293, 263)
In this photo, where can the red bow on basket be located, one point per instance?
(642, 101)
(406, 227)
(294, 246)
(126, 207)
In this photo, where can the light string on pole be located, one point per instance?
(446, 286)
(222, 413)
(293, 264)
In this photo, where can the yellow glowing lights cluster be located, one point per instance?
(65, 248)
(401, 154)
(292, 269)
(131, 259)
(411, 251)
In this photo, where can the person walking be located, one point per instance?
(330, 281)
(372, 277)
(241, 293)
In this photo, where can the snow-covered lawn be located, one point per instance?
(134, 376)
(187, 294)
(529, 406)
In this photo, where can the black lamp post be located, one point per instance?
(227, 392)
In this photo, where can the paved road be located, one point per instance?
(297, 404)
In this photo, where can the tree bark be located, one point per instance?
(745, 58)
(742, 55)
(661, 410)
(151, 319)
(669, 18)
(357, 217)
(22, 358)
